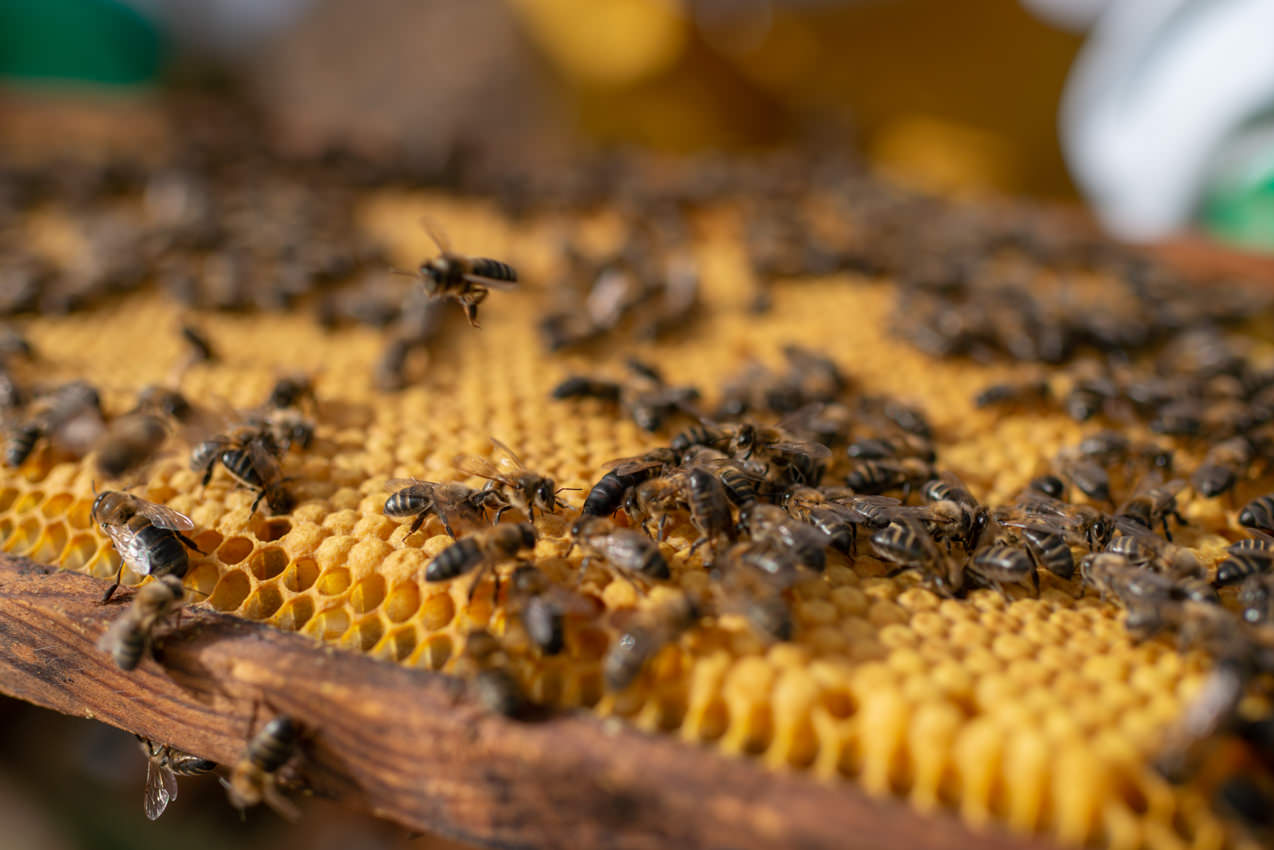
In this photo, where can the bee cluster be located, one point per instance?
(785, 473)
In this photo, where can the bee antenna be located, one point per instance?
(399, 271)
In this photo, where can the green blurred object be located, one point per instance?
(94, 41)
(1238, 205)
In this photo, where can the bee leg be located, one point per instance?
(257, 500)
(1167, 534)
(500, 512)
(110, 591)
(697, 544)
(446, 524)
(470, 312)
(418, 522)
(896, 571)
(207, 475)
(663, 527)
(190, 544)
(1035, 581)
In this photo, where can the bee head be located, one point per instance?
(546, 494)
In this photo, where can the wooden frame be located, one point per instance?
(411, 746)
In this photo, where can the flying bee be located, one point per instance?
(254, 778)
(1152, 504)
(447, 501)
(1003, 563)
(771, 525)
(467, 280)
(642, 640)
(905, 542)
(147, 536)
(130, 636)
(521, 488)
(1222, 466)
(164, 764)
(484, 551)
(543, 607)
(629, 551)
(1022, 394)
(610, 492)
(1259, 514)
(201, 349)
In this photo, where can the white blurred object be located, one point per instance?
(1068, 14)
(1154, 100)
(224, 28)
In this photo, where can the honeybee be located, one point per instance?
(483, 661)
(484, 549)
(743, 481)
(201, 349)
(894, 447)
(164, 764)
(1094, 527)
(521, 488)
(1259, 514)
(642, 639)
(789, 460)
(254, 778)
(448, 501)
(542, 607)
(630, 552)
(129, 442)
(771, 525)
(1221, 467)
(147, 536)
(610, 492)
(1003, 563)
(875, 477)
(905, 542)
(130, 636)
(752, 576)
(954, 510)
(646, 398)
(70, 415)
(1152, 504)
(838, 521)
(1021, 394)
(254, 464)
(467, 280)
(1113, 574)
(1253, 556)
(292, 391)
(1047, 541)
(1086, 474)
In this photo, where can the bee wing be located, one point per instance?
(630, 465)
(817, 451)
(161, 789)
(129, 548)
(165, 517)
(401, 483)
(436, 233)
(479, 466)
(266, 464)
(491, 282)
(513, 456)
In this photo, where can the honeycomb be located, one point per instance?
(1038, 715)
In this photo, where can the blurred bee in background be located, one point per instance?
(68, 415)
(147, 536)
(201, 349)
(254, 778)
(649, 632)
(1222, 466)
(292, 391)
(646, 397)
(483, 661)
(132, 634)
(164, 764)
(521, 488)
(467, 280)
(543, 606)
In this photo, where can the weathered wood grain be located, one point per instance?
(412, 746)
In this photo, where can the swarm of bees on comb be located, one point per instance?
(946, 501)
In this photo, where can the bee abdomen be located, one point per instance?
(494, 269)
(274, 744)
(544, 624)
(405, 503)
(240, 466)
(128, 650)
(165, 554)
(1258, 513)
(456, 559)
(21, 444)
(605, 497)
